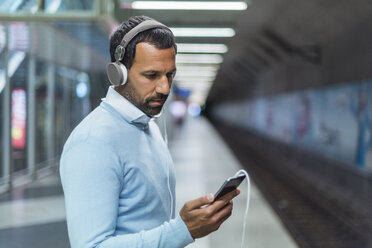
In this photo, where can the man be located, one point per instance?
(116, 170)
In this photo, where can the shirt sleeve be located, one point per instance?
(91, 178)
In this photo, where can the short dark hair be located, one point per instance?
(161, 38)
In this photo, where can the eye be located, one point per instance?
(151, 75)
(171, 75)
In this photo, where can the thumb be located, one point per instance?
(199, 202)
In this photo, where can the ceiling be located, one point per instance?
(280, 45)
(285, 45)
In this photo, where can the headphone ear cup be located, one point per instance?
(117, 73)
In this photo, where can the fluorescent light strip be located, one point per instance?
(199, 97)
(188, 5)
(188, 68)
(203, 32)
(199, 58)
(200, 73)
(195, 79)
(199, 86)
(194, 82)
(201, 48)
(53, 6)
(14, 62)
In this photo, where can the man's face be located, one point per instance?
(150, 77)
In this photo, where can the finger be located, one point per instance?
(224, 218)
(224, 200)
(199, 202)
(229, 196)
(224, 213)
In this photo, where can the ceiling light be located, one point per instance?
(186, 5)
(53, 6)
(203, 32)
(195, 79)
(199, 58)
(200, 73)
(194, 84)
(14, 62)
(199, 85)
(201, 48)
(184, 68)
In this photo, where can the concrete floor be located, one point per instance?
(34, 216)
(201, 169)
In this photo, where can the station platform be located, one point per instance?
(34, 216)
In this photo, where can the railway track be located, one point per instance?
(312, 218)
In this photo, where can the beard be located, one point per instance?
(144, 104)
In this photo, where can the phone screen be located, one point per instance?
(229, 185)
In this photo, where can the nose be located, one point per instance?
(163, 85)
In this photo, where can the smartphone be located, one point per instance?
(230, 184)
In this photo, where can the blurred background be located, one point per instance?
(281, 88)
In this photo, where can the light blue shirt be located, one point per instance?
(117, 175)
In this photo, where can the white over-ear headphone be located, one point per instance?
(116, 71)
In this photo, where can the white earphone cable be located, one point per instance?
(247, 205)
(171, 198)
(169, 189)
(165, 132)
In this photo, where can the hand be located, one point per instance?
(201, 218)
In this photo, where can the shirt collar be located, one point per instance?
(125, 108)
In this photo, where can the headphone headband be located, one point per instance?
(143, 26)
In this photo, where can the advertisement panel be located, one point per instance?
(335, 121)
(19, 118)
